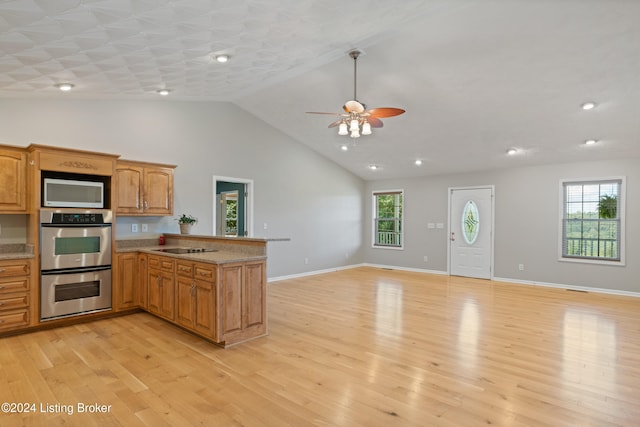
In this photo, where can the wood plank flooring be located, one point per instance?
(360, 347)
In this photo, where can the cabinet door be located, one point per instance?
(254, 313)
(153, 296)
(125, 284)
(167, 298)
(230, 305)
(143, 279)
(129, 189)
(13, 187)
(158, 191)
(205, 308)
(185, 301)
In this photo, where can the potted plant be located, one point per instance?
(186, 221)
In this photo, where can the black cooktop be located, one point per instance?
(186, 250)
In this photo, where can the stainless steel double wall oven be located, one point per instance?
(75, 262)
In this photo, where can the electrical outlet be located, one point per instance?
(521, 267)
(264, 226)
(426, 258)
(145, 228)
(306, 261)
(134, 228)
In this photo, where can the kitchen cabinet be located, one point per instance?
(143, 188)
(13, 184)
(161, 286)
(225, 303)
(242, 312)
(15, 304)
(195, 296)
(125, 286)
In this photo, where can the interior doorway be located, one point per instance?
(233, 207)
(471, 232)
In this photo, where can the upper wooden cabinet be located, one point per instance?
(143, 188)
(13, 186)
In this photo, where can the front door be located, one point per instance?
(471, 232)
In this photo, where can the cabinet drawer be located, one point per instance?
(205, 272)
(14, 320)
(184, 269)
(14, 268)
(161, 263)
(15, 285)
(12, 302)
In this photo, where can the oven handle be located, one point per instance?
(75, 270)
(76, 225)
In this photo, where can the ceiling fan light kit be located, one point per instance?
(356, 119)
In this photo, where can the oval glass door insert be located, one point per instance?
(470, 222)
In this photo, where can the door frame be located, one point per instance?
(248, 186)
(493, 225)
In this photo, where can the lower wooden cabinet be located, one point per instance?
(242, 310)
(125, 286)
(225, 303)
(15, 287)
(161, 286)
(196, 297)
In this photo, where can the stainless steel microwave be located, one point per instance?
(69, 193)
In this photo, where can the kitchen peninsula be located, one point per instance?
(212, 286)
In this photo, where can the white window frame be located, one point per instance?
(374, 208)
(622, 205)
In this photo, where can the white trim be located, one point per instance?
(373, 220)
(444, 273)
(623, 204)
(248, 208)
(312, 273)
(493, 223)
(569, 287)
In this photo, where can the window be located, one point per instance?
(387, 219)
(592, 220)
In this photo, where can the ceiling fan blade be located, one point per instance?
(374, 122)
(336, 123)
(385, 112)
(353, 106)
(331, 114)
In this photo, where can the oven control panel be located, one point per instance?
(77, 218)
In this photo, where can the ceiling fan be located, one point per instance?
(356, 119)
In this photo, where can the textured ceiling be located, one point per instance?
(475, 76)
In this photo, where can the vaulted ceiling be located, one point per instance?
(476, 77)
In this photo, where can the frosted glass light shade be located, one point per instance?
(342, 129)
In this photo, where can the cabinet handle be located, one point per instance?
(2, 303)
(2, 270)
(146, 205)
(1, 321)
(1, 287)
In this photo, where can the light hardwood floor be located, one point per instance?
(361, 347)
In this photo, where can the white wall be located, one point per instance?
(298, 193)
(526, 224)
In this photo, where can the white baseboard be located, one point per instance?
(440, 272)
(570, 287)
(312, 273)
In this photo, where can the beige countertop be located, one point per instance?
(16, 251)
(218, 257)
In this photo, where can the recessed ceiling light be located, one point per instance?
(418, 162)
(65, 87)
(373, 167)
(512, 151)
(222, 58)
(344, 148)
(588, 105)
(590, 141)
(163, 92)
